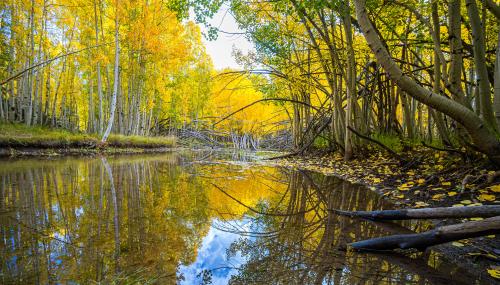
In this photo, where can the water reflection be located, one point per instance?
(187, 218)
(304, 242)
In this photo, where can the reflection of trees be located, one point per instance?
(140, 217)
(93, 220)
(309, 242)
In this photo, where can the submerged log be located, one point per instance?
(436, 236)
(427, 213)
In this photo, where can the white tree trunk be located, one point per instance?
(483, 138)
(117, 79)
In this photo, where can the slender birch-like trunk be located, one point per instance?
(98, 67)
(350, 83)
(116, 78)
(478, 46)
(496, 100)
(482, 137)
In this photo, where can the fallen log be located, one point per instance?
(436, 236)
(426, 213)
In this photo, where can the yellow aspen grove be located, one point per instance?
(249, 142)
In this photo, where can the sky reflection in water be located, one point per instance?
(212, 256)
(154, 219)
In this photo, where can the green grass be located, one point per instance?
(19, 135)
(391, 141)
(143, 142)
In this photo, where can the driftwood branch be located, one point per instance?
(447, 149)
(426, 213)
(307, 145)
(436, 236)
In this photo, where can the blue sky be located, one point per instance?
(221, 49)
(212, 254)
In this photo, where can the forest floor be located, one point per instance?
(433, 179)
(18, 139)
(427, 179)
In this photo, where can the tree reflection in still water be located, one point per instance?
(165, 219)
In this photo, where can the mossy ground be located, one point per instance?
(22, 136)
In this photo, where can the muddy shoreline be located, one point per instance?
(6, 152)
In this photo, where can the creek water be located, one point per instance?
(193, 217)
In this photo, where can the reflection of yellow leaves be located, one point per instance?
(458, 244)
(494, 272)
(452, 193)
(421, 181)
(486, 197)
(376, 180)
(458, 205)
(476, 219)
(446, 183)
(466, 202)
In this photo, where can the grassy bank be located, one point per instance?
(21, 136)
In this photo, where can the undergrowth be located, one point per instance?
(19, 135)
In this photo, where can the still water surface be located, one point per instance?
(192, 218)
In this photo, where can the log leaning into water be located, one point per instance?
(433, 237)
(427, 213)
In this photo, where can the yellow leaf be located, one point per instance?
(466, 202)
(494, 272)
(495, 188)
(458, 244)
(447, 183)
(438, 197)
(421, 181)
(421, 204)
(376, 180)
(486, 197)
(452, 193)
(403, 187)
(476, 219)
(458, 205)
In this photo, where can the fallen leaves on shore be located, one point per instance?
(436, 181)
